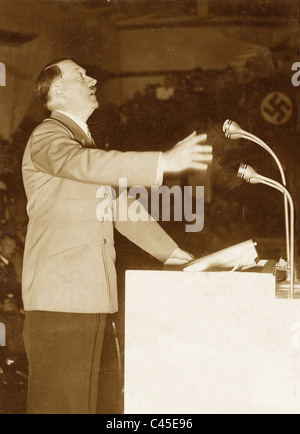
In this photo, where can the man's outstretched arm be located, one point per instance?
(53, 151)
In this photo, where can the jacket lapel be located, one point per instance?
(78, 133)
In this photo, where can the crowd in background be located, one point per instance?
(13, 361)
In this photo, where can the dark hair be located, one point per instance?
(46, 78)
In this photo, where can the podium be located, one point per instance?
(210, 343)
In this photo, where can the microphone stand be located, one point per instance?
(288, 288)
(289, 283)
(233, 131)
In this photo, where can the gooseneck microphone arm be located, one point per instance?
(248, 174)
(233, 131)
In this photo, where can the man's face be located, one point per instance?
(79, 90)
(8, 248)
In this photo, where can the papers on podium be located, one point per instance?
(238, 257)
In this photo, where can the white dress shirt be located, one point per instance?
(83, 125)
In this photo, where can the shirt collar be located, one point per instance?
(6, 262)
(83, 125)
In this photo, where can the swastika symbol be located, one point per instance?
(276, 108)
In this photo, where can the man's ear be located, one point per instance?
(57, 90)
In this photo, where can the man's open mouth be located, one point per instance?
(94, 91)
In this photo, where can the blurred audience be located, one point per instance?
(11, 314)
(13, 360)
(166, 91)
(9, 282)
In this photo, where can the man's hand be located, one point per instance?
(190, 153)
(179, 257)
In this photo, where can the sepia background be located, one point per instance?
(164, 68)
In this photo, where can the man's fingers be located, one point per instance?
(198, 166)
(199, 156)
(179, 257)
(202, 138)
(203, 149)
(194, 140)
(181, 254)
(187, 138)
(190, 137)
(191, 153)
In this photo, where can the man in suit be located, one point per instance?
(69, 276)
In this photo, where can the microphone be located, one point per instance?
(233, 131)
(248, 174)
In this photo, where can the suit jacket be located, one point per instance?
(69, 258)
